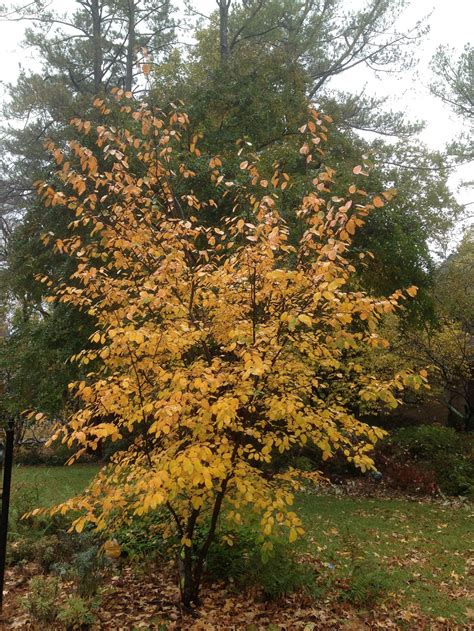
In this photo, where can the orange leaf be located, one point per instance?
(378, 202)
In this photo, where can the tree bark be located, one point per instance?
(203, 552)
(224, 6)
(97, 45)
(131, 43)
(189, 588)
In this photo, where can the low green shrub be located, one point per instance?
(435, 450)
(368, 584)
(49, 544)
(240, 564)
(310, 458)
(78, 613)
(43, 550)
(87, 569)
(33, 455)
(41, 601)
(277, 574)
(141, 538)
(427, 442)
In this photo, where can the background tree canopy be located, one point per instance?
(246, 75)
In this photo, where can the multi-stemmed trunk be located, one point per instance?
(192, 561)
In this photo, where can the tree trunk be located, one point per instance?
(97, 45)
(130, 46)
(224, 6)
(189, 588)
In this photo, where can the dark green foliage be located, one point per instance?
(41, 599)
(427, 442)
(34, 358)
(276, 574)
(454, 84)
(309, 458)
(77, 612)
(86, 570)
(42, 604)
(441, 450)
(45, 551)
(139, 539)
(54, 456)
(241, 564)
(46, 541)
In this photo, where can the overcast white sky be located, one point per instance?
(451, 22)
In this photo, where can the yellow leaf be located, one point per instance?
(305, 319)
(112, 549)
(79, 524)
(197, 502)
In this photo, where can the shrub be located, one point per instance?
(86, 570)
(49, 544)
(46, 551)
(427, 442)
(25, 497)
(431, 454)
(42, 525)
(235, 557)
(412, 478)
(142, 538)
(368, 584)
(275, 574)
(43, 550)
(309, 458)
(78, 612)
(32, 455)
(40, 602)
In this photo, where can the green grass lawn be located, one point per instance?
(34, 487)
(425, 548)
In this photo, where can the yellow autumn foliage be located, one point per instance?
(218, 344)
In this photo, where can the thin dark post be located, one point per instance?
(7, 478)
